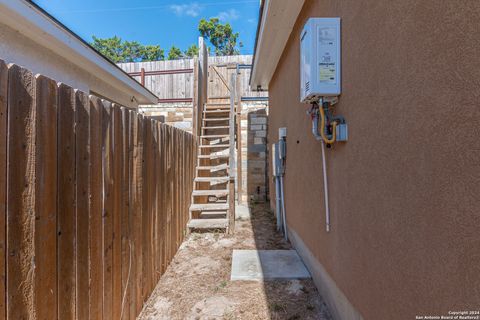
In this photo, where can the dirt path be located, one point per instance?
(197, 284)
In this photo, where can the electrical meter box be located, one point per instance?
(320, 60)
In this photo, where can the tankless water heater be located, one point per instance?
(320, 59)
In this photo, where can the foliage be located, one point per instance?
(192, 51)
(175, 53)
(127, 51)
(221, 36)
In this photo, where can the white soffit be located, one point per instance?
(34, 24)
(277, 21)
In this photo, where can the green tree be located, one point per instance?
(192, 51)
(174, 53)
(221, 36)
(127, 51)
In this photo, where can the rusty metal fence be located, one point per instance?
(93, 201)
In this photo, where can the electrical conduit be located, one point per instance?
(320, 137)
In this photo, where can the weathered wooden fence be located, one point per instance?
(93, 201)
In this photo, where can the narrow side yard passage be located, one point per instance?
(197, 283)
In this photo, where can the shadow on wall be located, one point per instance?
(257, 156)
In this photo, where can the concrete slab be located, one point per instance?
(242, 212)
(267, 265)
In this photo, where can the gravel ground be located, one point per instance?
(197, 283)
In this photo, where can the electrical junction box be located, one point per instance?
(320, 60)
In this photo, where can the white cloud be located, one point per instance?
(192, 9)
(229, 15)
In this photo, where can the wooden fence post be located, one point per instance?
(231, 169)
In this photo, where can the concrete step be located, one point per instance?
(216, 193)
(208, 206)
(207, 224)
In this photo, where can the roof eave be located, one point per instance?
(275, 26)
(36, 24)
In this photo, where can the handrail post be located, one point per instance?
(238, 103)
(231, 169)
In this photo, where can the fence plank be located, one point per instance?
(66, 223)
(117, 210)
(96, 192)
(163, 193)
(137, 212)
(82, 195)
(147, 210)
(21, 194)
(155, 204)
(45, 203)
(3, 185)
(131, 216)
(125, 222)
(107, 221)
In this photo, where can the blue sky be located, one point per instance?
(163, 22)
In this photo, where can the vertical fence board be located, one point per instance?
(138, 205)
(96, 192)
(147, 209)
(163, 188)
(82, 195)
(3, 185)
(45, 203)
(66, 219)
(125, 222)
(155, 203)
(117, 210)
(107, 210)
(169, 192)
(132, 216)
(21, 194)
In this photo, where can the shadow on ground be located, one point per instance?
(197, 283)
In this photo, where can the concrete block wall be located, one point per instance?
(254, 152)
(178, 115)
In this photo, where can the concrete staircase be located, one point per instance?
(211, 203)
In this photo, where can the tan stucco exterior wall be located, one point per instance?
(18, 49)
(405, 189)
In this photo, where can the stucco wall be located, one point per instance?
(18, 49)
(405, 189)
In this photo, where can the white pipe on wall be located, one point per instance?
(324, 167)
(283, 208)
(325, 188)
